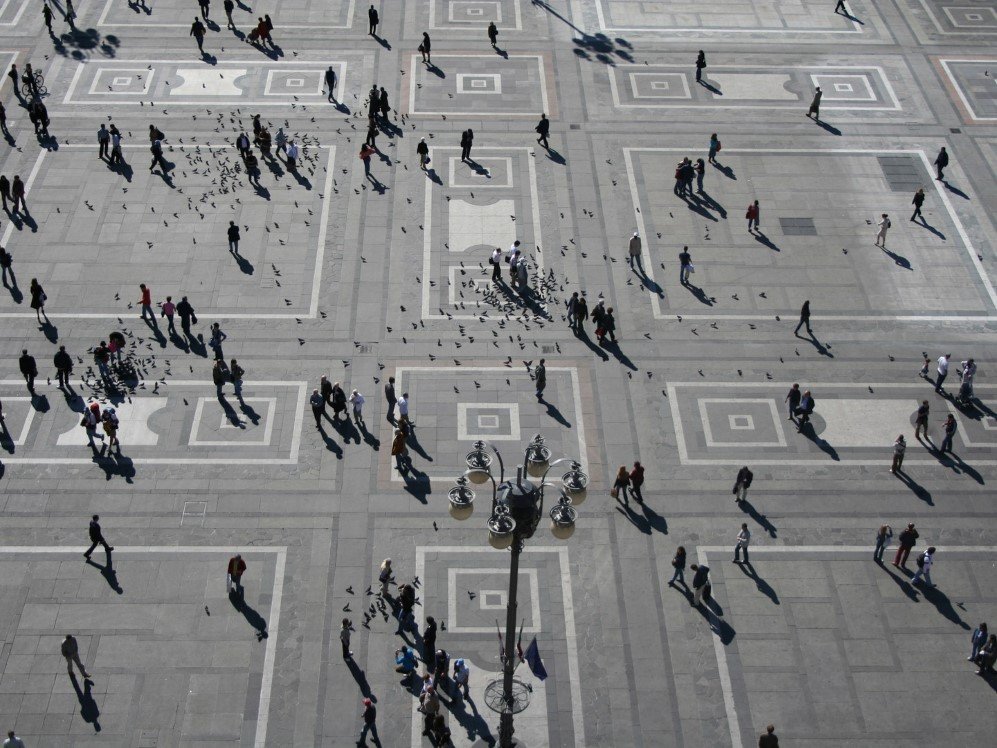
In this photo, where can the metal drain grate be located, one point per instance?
(798, 226)
(904, 173)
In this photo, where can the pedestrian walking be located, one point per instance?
(29, 368)
(884, 226)
(197, 31)
(3, 120)
(742, 483)
(925, 366)
(71, 651)
(116, 155)
(90, 421)
(493, 34)
(804, 319)
(423, 152)
(899, 447)
(924, 562)
(921, 420)
(236, 374)
(941, 161)
(429, 644)
(743, 540)
(5, 190)
(988, 656)
(430, 707)
(243, 145)
(465, 144)
(12, 740)
(840, 7)
(620, 485)
(102, 357)
(917, 202)
(701, 586)
(145, 301)
(906, 540)
(495, 260)
(6, 269)
(168, 311)
(700, 64)
(338, 401)
(540, 378)
(768, 739)
(372, 21)
(357, 400)
(318, 407)
(399, 447)
(678, 564)
(637, 481)
(805, 410)
(109, 420)
(205, 7)
(543, 130)
(47, 15)
(330, 84)
(233, 575)
(365, 153)
(63, 366)
(425, 48)
(943, 370)
(976, 641)
(229, 6)
(369, 715)
(187, 316)
(634, 252)
(389, 396)
(371, 134)
(344, 638)
(753, 213)
(883, 536)
(17, 192)
(70, 13)
(219, 376)
(686, 267)
(700, 169)
(38, 299)
(608, 326)
(714, 149)
(291, 153)
(384, 105)
(403, 410)
(103, 140)
(233, 237)
(948, 428)
(217, 338)
(97, 538)
(156, 149)
(385, 576)
(814, 110)
(461, 680)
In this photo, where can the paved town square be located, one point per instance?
(291, 289)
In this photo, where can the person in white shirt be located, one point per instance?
(358, 400)
(968, 371)
(743, 538)
(513, 249)
(924, 562)
(943, 370)
(884, 224)
(403, 410)
(496, 262)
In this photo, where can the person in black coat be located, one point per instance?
(29, 369)
(742, 484)
(63, 366)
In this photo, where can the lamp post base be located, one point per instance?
(507, 706)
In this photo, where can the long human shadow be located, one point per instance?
(904, 584)
(749, 571)
(701, 296)
(472, 721)
(727, 171)
(248, 411)
(417, 483)
(900, 260)
(107, 571)
(807, 429)
(713, 614)
(414, 445)
(556, 414)
(650, 521)
(828, 127)
(361, 678)
(15, 293)
(929, 227)
(583, 336)
(50, 331)
(253, 618)
(916, 488)
(953, 461)
(955, 190)
(619, 355)
(944, 606)
(712, 204)
(346, 430)
(763, 239)
(330, 443)
(369, 438)
(89, 710)
(115, 465)
(748, 508)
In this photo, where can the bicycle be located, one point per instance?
(34, 88)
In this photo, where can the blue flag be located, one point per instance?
(533, 660)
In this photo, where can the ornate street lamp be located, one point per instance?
(517, 509)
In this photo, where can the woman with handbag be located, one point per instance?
(678, 563)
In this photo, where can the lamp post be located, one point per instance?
(517, 509)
